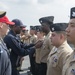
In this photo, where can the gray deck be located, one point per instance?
(25, 65)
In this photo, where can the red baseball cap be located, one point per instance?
(6, 20)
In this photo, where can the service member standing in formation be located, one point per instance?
(40, 36)
(61, 50)
(46, 22)
(69, 67)
(32, 52)
(25, 36)
(5, 64)
(32, 33)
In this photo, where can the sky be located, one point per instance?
(29, 11)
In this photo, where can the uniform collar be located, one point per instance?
(11, 32)
(53, 51)
(61, 46)
(73, 56)
(58, 50)
(48, 35)
(1, 40)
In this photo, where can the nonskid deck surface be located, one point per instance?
(25, 66)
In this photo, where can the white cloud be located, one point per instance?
(3, 6)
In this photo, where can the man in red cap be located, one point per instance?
(4, 22)
(5, 65)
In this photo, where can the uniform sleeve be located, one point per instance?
(49, 44)
(34, 40)
(28, 46)
(62, 58)
(5, 64)
(15, 45)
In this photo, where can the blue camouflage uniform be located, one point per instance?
(5, 64)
